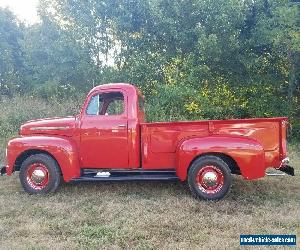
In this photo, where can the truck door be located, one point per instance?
(104, 137)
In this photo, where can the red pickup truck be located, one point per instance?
(110, 141)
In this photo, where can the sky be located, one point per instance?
(25, 10)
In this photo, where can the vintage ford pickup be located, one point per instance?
(110, 141)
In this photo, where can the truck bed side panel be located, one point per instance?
(160, 140)
(159, 143)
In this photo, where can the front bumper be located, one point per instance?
(3, 170)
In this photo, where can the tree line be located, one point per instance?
(193, 59)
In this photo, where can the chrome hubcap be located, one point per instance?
(38, 176)
(210, 179)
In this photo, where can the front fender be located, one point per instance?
(247, 152)
(64, 150)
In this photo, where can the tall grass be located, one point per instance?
(19, 109)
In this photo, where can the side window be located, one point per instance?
(106, 104)
(115, 107)
(94, 106)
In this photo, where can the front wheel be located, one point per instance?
(40, 174)
(209, 178)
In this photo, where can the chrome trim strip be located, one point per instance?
(275, 174)
(50, 128)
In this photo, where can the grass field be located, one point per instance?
(144, 215)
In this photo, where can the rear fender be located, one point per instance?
(248, 154)
(63, 150)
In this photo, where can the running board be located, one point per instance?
(126, 175)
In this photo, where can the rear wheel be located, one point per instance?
(209, 178)
(40, 174)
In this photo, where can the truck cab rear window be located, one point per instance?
(106, 104)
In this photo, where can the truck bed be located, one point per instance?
(161, 139)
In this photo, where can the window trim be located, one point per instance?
(105, 92)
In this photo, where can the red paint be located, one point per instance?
(125, 141)
(247, 152)
(116, 147)
(64, 150)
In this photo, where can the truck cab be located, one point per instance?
(109, 128)
(111, 141)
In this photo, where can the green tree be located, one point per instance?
(11, 58)
(193, 59)
(54, 60)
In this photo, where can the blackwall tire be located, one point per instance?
(209, 178)
(40, 174)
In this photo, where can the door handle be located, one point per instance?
(116, 129)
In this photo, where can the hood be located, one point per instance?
(50, 126)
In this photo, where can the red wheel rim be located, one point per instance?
(37, 176)
(210, 179)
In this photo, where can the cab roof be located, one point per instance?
(125, 86)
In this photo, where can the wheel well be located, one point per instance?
(24, 155)
(232, 164)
